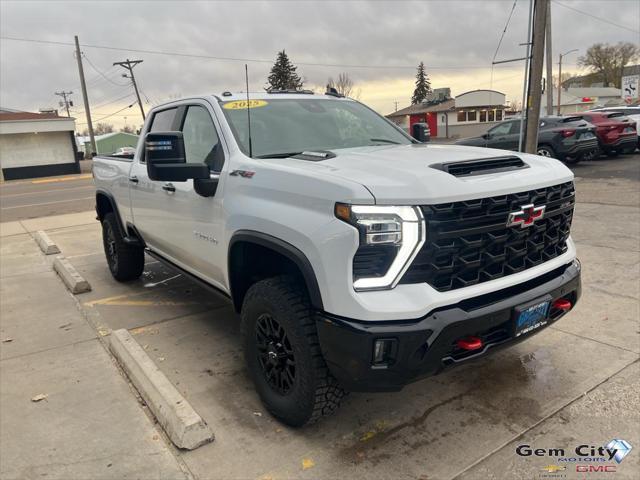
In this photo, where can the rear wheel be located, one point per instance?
(283, 354)
(126, 261)
(546, 151)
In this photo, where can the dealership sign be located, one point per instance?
(630, 85)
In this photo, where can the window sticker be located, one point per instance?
(242, 104)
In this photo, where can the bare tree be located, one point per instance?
(609, 60)
(102, 128)
(344, 85)
(128, 129)
(565, 76)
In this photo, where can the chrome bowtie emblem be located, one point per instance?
(526, 216)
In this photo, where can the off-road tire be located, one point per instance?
(126, 261)
(315, 392)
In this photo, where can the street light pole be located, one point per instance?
(560, 76)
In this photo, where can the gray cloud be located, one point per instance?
(459, 34)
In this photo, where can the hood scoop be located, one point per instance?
(481, 166)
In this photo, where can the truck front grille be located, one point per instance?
(469, 242)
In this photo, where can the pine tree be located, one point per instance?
(423, 86)
(283, 75)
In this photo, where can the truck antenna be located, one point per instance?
(246, 78)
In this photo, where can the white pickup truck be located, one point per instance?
(358, 258)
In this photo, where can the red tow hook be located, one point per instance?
(562, 304)
(469, 343)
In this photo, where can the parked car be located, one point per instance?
(632, 112)
(565, 138)
(616, 133)
(357, 258)
(124, 152)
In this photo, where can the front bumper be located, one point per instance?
(426, 346)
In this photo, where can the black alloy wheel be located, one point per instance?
(275, 354)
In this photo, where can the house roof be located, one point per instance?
(424, 108)
(6, 116)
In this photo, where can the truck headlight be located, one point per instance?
(390, 238)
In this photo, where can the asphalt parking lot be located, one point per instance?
(577, 382)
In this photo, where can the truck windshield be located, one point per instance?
(284, 127)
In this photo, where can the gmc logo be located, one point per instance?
(595, 468)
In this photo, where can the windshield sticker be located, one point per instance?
(242, 104)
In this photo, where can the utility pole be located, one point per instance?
(129, 64)
(396, 104)
(560, 74)
(534, 98)
(85, 97)
(549, 63)
(67, 102)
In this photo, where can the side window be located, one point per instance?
(163, 120)
(201, 141)
(515, 128)
(502, 129)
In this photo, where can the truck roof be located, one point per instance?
(263, 95)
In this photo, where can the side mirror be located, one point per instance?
(487, 136)
(166, 161)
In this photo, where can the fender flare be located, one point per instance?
(285, 249)
(128, 232)
(114, 208)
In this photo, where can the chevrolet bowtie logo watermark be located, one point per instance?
(553, 468)
(526, 216)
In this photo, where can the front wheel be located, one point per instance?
(283, 354)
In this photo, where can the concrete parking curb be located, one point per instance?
(45, 243)
(183, 425)
(70, 276)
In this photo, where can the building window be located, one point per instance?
(471, 116)
(492, 115)
(498, 115)
(483, 115)
(462, 116)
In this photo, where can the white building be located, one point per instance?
(469, 114)
(581, 99)
(36, 145)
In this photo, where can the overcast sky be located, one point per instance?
(455, 38)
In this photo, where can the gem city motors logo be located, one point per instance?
(587, 458)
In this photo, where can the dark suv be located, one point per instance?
(566, 138)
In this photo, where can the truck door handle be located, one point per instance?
(134, 179)
(169, 188)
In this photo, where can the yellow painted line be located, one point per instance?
(62, 179)
(101, 301)
(147, 303)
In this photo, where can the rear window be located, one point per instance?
(615, 114)
(571, 119)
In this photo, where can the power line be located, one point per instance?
(109, 102)
(110, 115)
(605, 20)
(238, 59)
(102, 74)
(513, 7)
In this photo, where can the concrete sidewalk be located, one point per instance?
(88, 423)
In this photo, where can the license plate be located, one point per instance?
(587, 135)
(531, 317)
